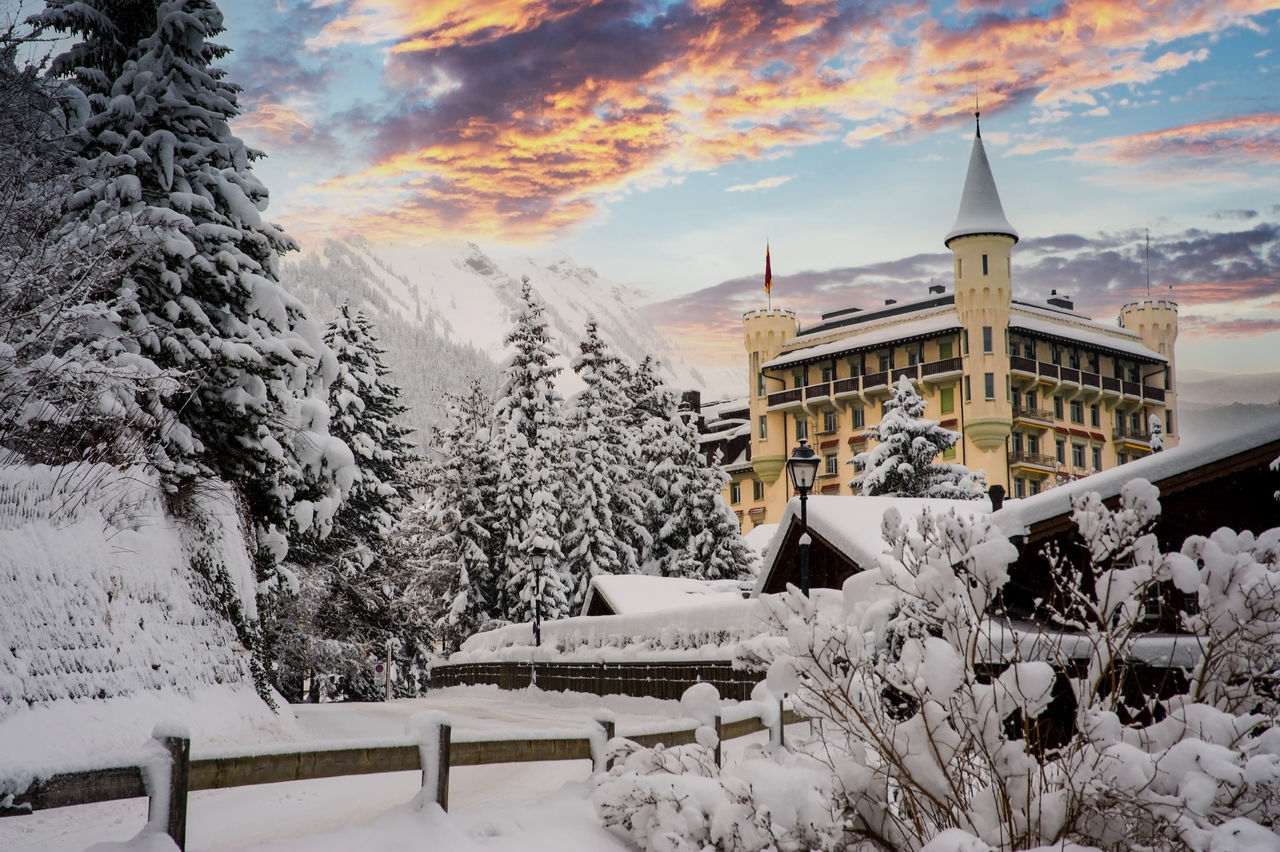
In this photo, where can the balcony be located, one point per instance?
(1069, 374)
(1140, 436)
(1153, 393)
(875, 380)
(1040, 416)
(786, 397)
(1035, 460)
(1091, 380)
(1131, 389)
(821, 391)
(1110, 385)
(937, 369)
(1018, 364)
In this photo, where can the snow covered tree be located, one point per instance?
(153, 154)
(69, 389)
(690, 532)
(529, 444)
(604, 458)
(902, 465)
(966, 732)
(458, 533)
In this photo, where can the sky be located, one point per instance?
(665, 143)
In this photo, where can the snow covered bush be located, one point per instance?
(937, 715)
(902, 465)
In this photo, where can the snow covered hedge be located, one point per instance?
(922, 744)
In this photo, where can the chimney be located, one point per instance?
(891, 301)
(692, 400)
(935, 289)
(1061, 301)
(996, 493)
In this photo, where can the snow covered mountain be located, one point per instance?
(443, 311)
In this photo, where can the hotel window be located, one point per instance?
(1073, 359)
(886, 362)
(1168, 422)
(947, 400)
(949, 452)
(1033, 444)
(1095, 416)
(1077, 411)
(802, 428)
(1133, 373)
(1097, 458)
(757, 489)
(944, 350)
(1029, 350)
(984, 264)
(1062, 451)
(828, 372)
(986, 337)
(829, 422)
(1077, 455)
(1168, 383)
(1093, 362)
(989, 385)
(1019, 487)
(764, 427)
(1121, 458)
(735, 492)
(1055, 354)
(1035, 486)
(1015, 442)
(859, 419)
(830, 465)
(1135, 423)
(1030, 399)
(855, 366)
(800, 377)
(967, 394)
(760, 384)
(1057, 407)
(1120, 421)
(959, 268)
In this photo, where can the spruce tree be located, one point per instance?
(154, 154)
(902, 464)
(529, 443)
(601, 454)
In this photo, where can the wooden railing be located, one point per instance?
(666, 679)
(169, 805)
(946, 365)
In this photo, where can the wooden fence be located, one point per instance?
(170, 804)
(666, 680)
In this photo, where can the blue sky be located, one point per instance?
(664, 143)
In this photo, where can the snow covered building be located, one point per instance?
(1041, 393)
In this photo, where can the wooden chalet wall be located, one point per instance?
(829, 567)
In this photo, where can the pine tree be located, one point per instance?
(601, 454)
(902, 464)
(154, 154)
(457, 531)
(529, 443)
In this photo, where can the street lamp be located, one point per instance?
(539, 559)
(803, 468)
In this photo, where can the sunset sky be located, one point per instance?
(662, 143)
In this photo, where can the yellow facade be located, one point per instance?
(1040, 393)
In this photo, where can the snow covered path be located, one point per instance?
(530, 806)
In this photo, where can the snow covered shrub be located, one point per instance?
(935, 714)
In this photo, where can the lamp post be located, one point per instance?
(803, 469)
(539, 559)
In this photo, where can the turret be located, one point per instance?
(766, 331)
(982, 241)
(1156, 322)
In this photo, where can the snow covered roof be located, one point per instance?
(1018, 515)
(938, 323)
(1087, 333)
(852, 524)
(980, 208)
(632, 593)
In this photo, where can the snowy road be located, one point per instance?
(531, 806)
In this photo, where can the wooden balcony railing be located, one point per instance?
(1019, 364)
(1090, 380)
(946, 365)
(784, 397)
(1026, 413)
(1153, 393)
(820, 391)
(1110, 384)
(1069, 374)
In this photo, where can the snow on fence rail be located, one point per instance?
(167, 781)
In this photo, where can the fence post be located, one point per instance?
(441, 792)
(601, 763)
(719, 739)
(179, 749)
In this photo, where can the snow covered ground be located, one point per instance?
(528, 806)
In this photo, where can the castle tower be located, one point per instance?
(982, 241)
(1156, 322)
(766, 331)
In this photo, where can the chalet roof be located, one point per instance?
(852, 525)
(631, 593)
(871, 338)
(980, 208)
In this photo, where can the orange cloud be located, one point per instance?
(553, 107)
(1253, 137)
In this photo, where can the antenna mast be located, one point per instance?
(1148, 230)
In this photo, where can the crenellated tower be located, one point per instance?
(982, 241)
(766, 331)
(1156, 322)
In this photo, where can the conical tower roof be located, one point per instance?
(980, 208)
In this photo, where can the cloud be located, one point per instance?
(523, 117)
(1225, 282)
(1228, 141)
(1238, 215)
(764, 183)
